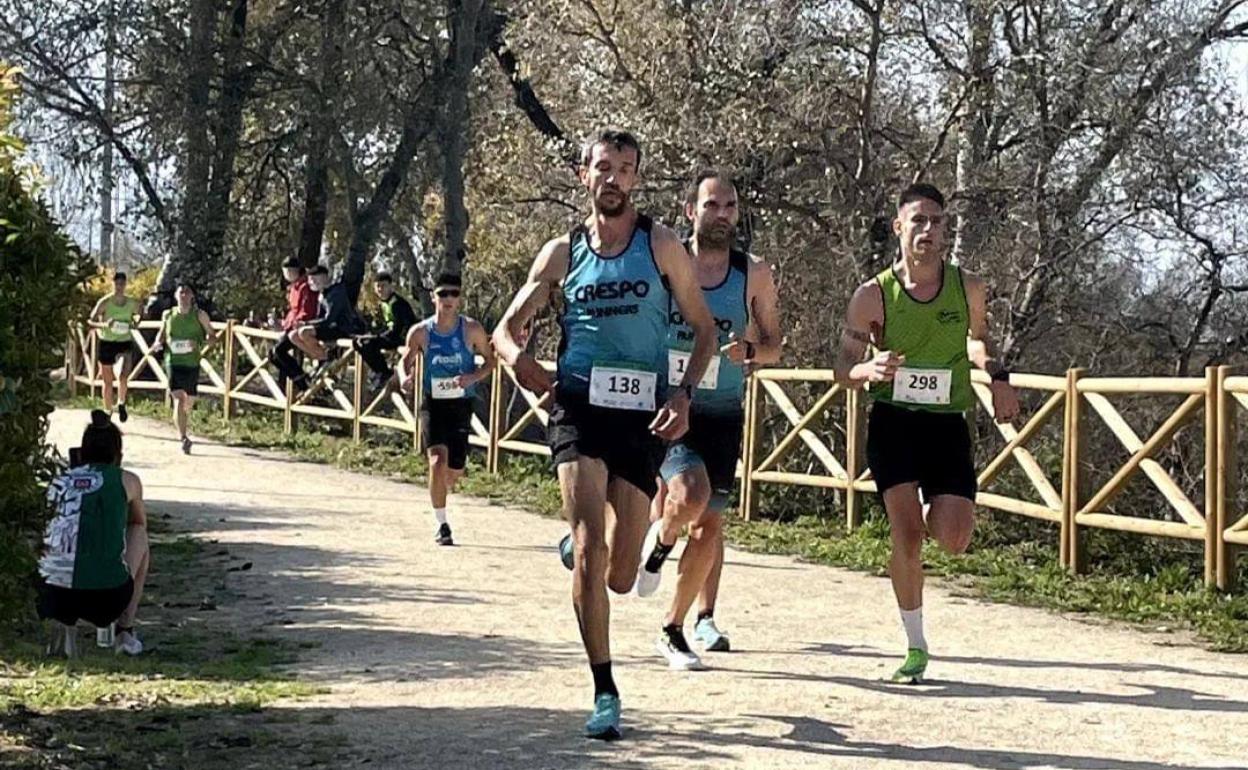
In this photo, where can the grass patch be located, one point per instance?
(196, 697)
(1148, 581)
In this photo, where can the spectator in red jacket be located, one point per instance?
(301, 299)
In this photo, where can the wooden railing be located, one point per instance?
(1060, 488)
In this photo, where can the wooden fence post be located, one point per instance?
(71, 362)
(92, 361)
(1228, 481)
(496, 415)
(230, 374)
(288, 416)
(1213, 534)
(1077, 486)
(357, 395)
(853, 456)
(418, 395)
(753, 412)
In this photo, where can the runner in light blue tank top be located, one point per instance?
(615, 311)
(723, 386)
(447, 356)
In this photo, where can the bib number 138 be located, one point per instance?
(620, 388)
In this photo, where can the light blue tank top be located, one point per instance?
(448, 355)
(615, 311)
(729, 304)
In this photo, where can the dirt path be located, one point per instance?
(469, 657)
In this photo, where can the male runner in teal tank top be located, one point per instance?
(928, 320)
(699, 469)
(616, 272)
(449, 343)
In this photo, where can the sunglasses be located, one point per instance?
(444, 293)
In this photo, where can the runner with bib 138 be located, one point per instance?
(612, 404)
(928, 320)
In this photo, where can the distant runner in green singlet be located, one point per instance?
(928, 321)
(185, 332)
(95, 555)
(114, 318)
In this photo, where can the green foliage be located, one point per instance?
(40, 270)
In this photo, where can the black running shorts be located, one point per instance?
(621, 438)
(109, 351)
(184, 378)
(931, 448)
(99, 607)
(447, 422)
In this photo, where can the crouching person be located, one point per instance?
(95, 557)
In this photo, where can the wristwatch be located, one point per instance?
(749, 350)
(688, 390)
(1001, 375)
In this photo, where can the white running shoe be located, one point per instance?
(672, 646)
(128, 643)
(653, 554)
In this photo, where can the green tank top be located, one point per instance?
(184, 338)
(119, 319)
(932, 336)
(84, 545)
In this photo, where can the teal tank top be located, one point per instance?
(615, 311)
(723, 387)
(448, 356)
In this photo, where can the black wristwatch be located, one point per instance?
(688, 390)
(749, 350)
(1001, 375)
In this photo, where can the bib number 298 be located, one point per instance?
(922, 386)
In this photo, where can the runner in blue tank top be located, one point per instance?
(700, 467)
(611, 402)
(449, 344)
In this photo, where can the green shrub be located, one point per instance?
(40, 277)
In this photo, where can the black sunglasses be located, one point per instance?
(443, 293)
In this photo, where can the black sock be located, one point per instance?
(657, 556)
(674, 628)
(705, 615)
(603, 681)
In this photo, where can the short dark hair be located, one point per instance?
(119, 276)
(101, 441)
(319, 270)
(920, 191)
(448, 279)
(617, 138)
(292, 262)
(383, 277)
(695, 184)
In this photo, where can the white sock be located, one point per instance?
(912, 620)
(440, 515)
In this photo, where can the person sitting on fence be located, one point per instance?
(112, 318)
(399, 318)
(301, 304)
(337, 319)
(95, 555)
(185, 331)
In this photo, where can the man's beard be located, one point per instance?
(612, 210)
(715, 237)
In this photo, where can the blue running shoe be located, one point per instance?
(565, 551)
(712, 639)
(604, 723)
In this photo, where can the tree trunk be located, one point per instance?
(454, 128)
(322, 121)
(972, 207)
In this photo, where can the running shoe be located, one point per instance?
(444, 535)
(121, 412)
(913, 668)
(604, 723)
(712, 639)
(186, 445)
(671, 645)
(128, 643)
(566, 553)
(650, 573)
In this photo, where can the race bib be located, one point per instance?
(621, 387)
(678, 362)
(181, 346)
(445, 387)
(922, 386)
(119, 327)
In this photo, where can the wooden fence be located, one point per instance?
(1059, 489)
